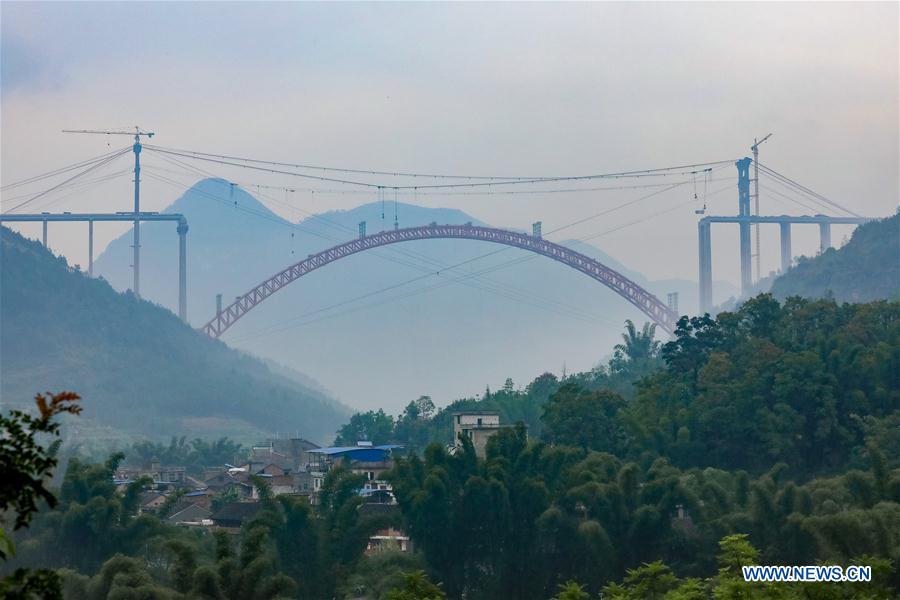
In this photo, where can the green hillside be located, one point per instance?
(867, 268)
(139, 369)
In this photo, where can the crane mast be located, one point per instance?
(137, 133)
(755, 149)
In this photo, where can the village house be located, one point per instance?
(362, 459)
(173, 476)
(189, 514)
(150, 501)
(223, 480)
(232, 515)
(200, 498)
(477, 426)
(389, 539)
(292, 455)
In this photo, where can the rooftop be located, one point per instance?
(237, 511)
(345, 449)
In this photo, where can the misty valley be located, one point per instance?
(449, 300)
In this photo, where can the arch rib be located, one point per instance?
(646, 302)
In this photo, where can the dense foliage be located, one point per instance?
(768, 435)
(194, 455)
(804, 383)
(657, 581)
(25, 465)
(864, 269)
(533, 516)
(103, 548)
(779, 421)
(140, 369)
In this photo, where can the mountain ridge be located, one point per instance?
(139, 369)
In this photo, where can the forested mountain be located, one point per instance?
(139, 369)
(314, 324)
(866, 268)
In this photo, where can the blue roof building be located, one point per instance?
(359, 453)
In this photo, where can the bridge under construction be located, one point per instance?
(663, 314)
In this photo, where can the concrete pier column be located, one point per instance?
(824, 236)
(786, 255)
(182, 270)
(746, 273)
(705, 253)
(45, 233)
(90, 248)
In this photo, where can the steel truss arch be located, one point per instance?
(646, 302)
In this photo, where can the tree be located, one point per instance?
(571, 590)
(636, 345)
(25, 465)
(204, 453)
(695, 339)
(416, 586)
(588, 419)
(377, 573)
(229, 494)
(413, 427)
(373, 426)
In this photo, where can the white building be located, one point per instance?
(478, 426)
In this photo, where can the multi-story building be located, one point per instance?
(477, 426)
(292, 455)
(362, 459)
(160, 474)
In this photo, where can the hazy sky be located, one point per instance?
(531, 89)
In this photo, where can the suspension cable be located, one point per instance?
(805, 189)
(73, 177)
(62, 170)
(641, 173)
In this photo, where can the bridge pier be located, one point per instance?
(90, 248)
(182, 269)
(824, 236)
(44, 238)
(786, 255)
(705, 246)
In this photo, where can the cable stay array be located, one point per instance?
(814, 196)
(89, 166)
(486, 181)
(486, 178)
(432, 267)
(388, 188)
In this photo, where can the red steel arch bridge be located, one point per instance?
(649, 304)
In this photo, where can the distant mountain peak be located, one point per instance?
(220, 197)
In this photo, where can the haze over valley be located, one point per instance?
(449, 301)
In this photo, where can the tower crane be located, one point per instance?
(137, 133)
